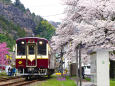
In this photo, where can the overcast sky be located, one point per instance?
(48, 9)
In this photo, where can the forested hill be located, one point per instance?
(17, 21)
(55, 24)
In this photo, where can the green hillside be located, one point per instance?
(16, 21)
(9, 32)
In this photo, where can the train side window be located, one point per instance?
(42, 48)
(21, 48)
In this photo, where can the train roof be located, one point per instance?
(27, 38)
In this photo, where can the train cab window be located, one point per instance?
(42, 48)
(21, 47)
(31, 49)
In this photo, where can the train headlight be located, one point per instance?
(40, 42)
(22, 42)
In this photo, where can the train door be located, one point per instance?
(31, 60)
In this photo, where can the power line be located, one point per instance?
(53, 15)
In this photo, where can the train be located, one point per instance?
(34, 57)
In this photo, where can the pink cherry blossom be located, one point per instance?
(3, 52)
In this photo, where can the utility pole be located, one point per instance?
(78, 66)
(76, 49)
(80, 69)
(61, 60)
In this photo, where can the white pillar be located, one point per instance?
(100, 68)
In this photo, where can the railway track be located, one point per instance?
(20, 82)
(8, 78)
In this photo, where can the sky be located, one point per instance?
(48, 9)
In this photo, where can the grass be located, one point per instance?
(54, 82)
(3, 74)
(87, 79)
(112, 82)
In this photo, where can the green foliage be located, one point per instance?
(36, 18)
(45, 30)
(6, 38)
(21, 32)
(10, 32)
(10, 27)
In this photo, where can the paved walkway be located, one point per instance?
(84, 82)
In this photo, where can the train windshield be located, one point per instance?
(42, 47)
(31, 49)
(21, 47)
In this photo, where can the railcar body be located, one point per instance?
(34, 57)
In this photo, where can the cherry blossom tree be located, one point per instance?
(3, 53)
(91, 22)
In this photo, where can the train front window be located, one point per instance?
(31, 49)
(21, 47)
(42, 48)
